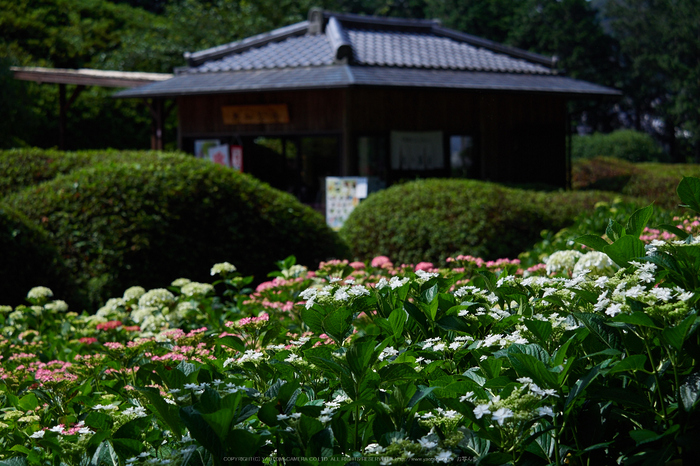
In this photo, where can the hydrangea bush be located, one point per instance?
(586, 359)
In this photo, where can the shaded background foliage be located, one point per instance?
(647, 48)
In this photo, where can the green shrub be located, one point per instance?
(24, 167)
(29, 259)
(653, 182)
(624, 144)
(122, 224)
(431, 220)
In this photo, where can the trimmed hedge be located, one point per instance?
(147, 223)
(653, 182)
(28, 260)
(430, 220)
(20, 168)
(625, 144)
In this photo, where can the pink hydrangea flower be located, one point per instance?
(381, 261)
(424, 266)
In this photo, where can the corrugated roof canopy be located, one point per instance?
(333, 50)
(87, 77)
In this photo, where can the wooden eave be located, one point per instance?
(87, 77)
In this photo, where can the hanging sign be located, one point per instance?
(220, 155)
(237, 158)
(255, 114)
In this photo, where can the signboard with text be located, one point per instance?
(255, 114)
(343, 194)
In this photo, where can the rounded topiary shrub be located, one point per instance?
(25, 167)
(430, 220)
(29, 259)
(124, 224)
(625, 144)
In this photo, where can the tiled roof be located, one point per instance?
(341, 50)
(299, 51)
(421, 50)
(339, 76)
(373, 48)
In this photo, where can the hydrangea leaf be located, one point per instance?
(689, 192)
(638, 220)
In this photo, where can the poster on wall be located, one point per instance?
(417, 150)
(201, 147)
(237, 158)
(343, 194)
(220, 155)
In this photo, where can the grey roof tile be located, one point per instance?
(339, 76)
(385, 52)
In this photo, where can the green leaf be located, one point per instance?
(127, 447)
(675, 336)
(682, 234)
(201, 431)
(453, 323)
(630, 363)
(28, 402)
(395, 372)
(541, 329)
(614, 230)
(624, 250)
(593, 241)
(642, 436)
(580, 386)
(636, 318)
(313, 318)
(638, 220)
(14, 461)
(167, 412)
(528, 366)
(596, 325)
(689, 192)
(105, 454)
(397, 318)
(690, 391)
(360, 356)
(98, 421)
(337, 324)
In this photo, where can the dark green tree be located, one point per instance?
(660, 45)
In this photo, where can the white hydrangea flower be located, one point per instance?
(135, 292)
(56, 306)
(387, 352)
(562, 261)
(180, 282)
(480, 410)
(40, 292)
(223, 267)
(597, 263)
(156, 298)
(197, 289)
(501, 415)
(397, 282)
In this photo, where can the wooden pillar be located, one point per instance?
(159, 112)
(63, 106)
(62, 117)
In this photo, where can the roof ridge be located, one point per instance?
(382, 20)
(197, 58)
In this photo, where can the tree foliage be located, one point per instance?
(647, 48)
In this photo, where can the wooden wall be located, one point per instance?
(310, 112)
(520, 138)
